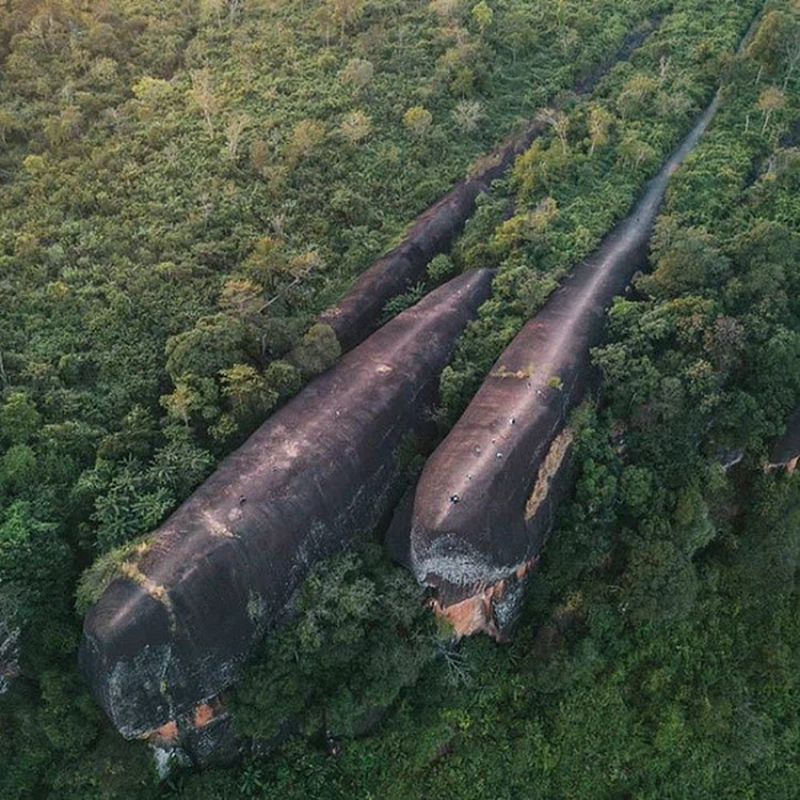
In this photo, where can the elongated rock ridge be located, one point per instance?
(171, 632)
(485, 500)
(356, 315)
(431, 233)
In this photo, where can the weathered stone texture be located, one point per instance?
(219, 572)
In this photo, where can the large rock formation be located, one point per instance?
(485, 500)
(172, 631)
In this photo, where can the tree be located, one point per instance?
(360, 636)
(18, 469)
(152, 97)
(234, 131)
(418, 120)
(355, 126)
(19, 418)
(65, 127)
(600, 122)
(483, 15)
(693, 261)
(307, 134)
(765, 255)
(528, 226)
(316, 352)
(203, 95)
(213, 344)
(192, 397)
(770, 100)
(242, 298)
(9, 124)
(776, 44)
(248, 392)
(635, 95)
(182, 402)
(34, 560)
(539, 167)
(661, 583)
(283, 377)
(633, 152)
(358, 72)
(267, 263)
(345, 12)
(467, 114)
(558, 122)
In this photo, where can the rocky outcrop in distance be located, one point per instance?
(486, 497)
(785, 450)
(172, 631)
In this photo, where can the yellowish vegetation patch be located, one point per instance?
(548, 469)
(521, 374)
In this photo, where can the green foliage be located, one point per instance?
(19, 418)
(103, 570)
(657, 652)
(483, 15)
(360, 635)
(33, 559)
(214, 343)
(248, 391)
(317, 350)
(283, 377)
(418, 120)
(582, 176)
(403, 301)
(662, 581)
(130, 498)
(691, 263)
(440, 268)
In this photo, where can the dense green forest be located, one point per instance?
(185, 185)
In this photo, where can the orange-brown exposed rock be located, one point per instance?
(166, 735)
(478, 612)
(785, 451)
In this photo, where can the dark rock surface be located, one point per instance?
(484, 502)
(220, 571)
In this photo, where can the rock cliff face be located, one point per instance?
(485, 499)
(785, 451)
(173, 631)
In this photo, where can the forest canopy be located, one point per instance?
(185, 186)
